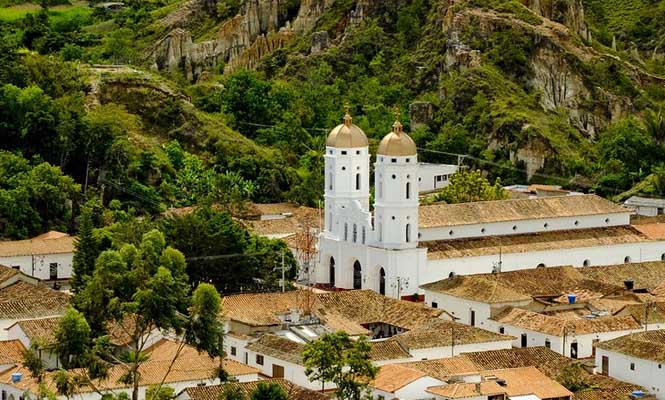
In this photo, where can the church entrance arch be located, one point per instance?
(331, 271)
(382, 281)
(357, 275)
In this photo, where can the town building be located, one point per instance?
(433, 177)
(644, 206)
(214, 392)
(190, 369)
(398, 245)
(637, 358)
(47, 257)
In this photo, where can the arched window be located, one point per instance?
(355, 233)
(382, 281)
(357, 181)
(586, 263)
(626, 260)
(541, 265)
(408, 190)
(364, 235)
(346, 231)
(357, 275)
(408, 233)
(331, 272)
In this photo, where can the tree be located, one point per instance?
(574, 378)
(86, 252)
(140, 288)
(232, 392)
(33, 362)
(467, 186)
(269, 391)
(336, 358)
(72, 338)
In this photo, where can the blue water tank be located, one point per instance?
(572, 298)
(16, 377)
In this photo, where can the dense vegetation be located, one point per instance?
(135, 142)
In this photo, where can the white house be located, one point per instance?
(22, 300)
(637, 358)
(190, 369)
(401, 245)
(571, 335)
(399, 382)
(647, 207)
(47, 257)
(432, 177)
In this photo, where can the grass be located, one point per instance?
(61, 12)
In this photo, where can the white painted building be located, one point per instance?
(647, 207)
(398, 382)
(47, 257)
(432, 177)
(637, 358)
(401, 245)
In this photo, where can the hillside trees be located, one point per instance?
(466, 186)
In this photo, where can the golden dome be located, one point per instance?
(346, 135)
(397, 143)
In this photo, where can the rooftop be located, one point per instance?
(649, 345)
(49, 243)
(42, 329)
(533, 242)
(448, 215)
(528, 380)
(439, 333)
(645, 275)
(556, 326)
(444, 368)
(520, 285)
(11, 352)
(464, 390)
(645, 202)
(22, 300)
(301, 218)
(652, 231)
(214, 392)
(278, 347)
(393, 377)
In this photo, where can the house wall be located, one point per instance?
(584, 342)
(646, 211)
(41, 267)
(525, 226)
(447, 351)
(413, 391)
(649, 374)
(50, 359)
(437, 269)
(427, 174)
(293, 373)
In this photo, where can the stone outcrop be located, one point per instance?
(570, 13)
(320, 42)
(260, 28)
(420, 113)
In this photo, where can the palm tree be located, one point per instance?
(654, 124)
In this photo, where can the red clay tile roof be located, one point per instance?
(214, 392)
(38, 245)
(648, 345)
(23, 300)
(393, 377)
(11, 352)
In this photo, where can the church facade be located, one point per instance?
(399, 245)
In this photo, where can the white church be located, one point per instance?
(401, 245)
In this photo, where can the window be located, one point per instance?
(364, 235)
(502, 330)
(343, 152)
(473, 318)
(4, 395)
(439, 178)
(541, 265)
(358, 152)
(393, 160)
(548, 344)
(408, 160)
(632, 366)
(451, 233)
(357, 275)
(233, 350)
(577, 223)
(435, 304)
(53, 271)
(607, 220)
(346, 231)
(17, 267)
(408, 233)
(523, 340)
(626, 260)
(514, 227)
(482, 230)
(343, 168)
(259, 359)
(662, 257)
(382, 281)
(357, 181)
(586, 263)
(408, 190)
(331, 272)
(545, 225)
(394, 176)
(355, 233)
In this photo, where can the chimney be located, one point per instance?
(629, 284)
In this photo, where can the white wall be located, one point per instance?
(40, 269)
(437, 269)
(649, 374)
(447, 351)
(427, 174)
(293, 373)
(526, 226)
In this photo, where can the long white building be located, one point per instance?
(399, 245)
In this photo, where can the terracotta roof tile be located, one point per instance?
(648, 345)
(444, 215)
(48, 245)
(393, 377)
(389, 349)
(439, 333)
(532, 242)
(546, 360)
(23, 300)
(528, 380)
(302, 218)
(444, 368)
(278, 347)
(11, 352)
(7, 272)
(555, 326)
(40, 328)
(214, 392)
(645, 275)
(464, 390)
(652, 231)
